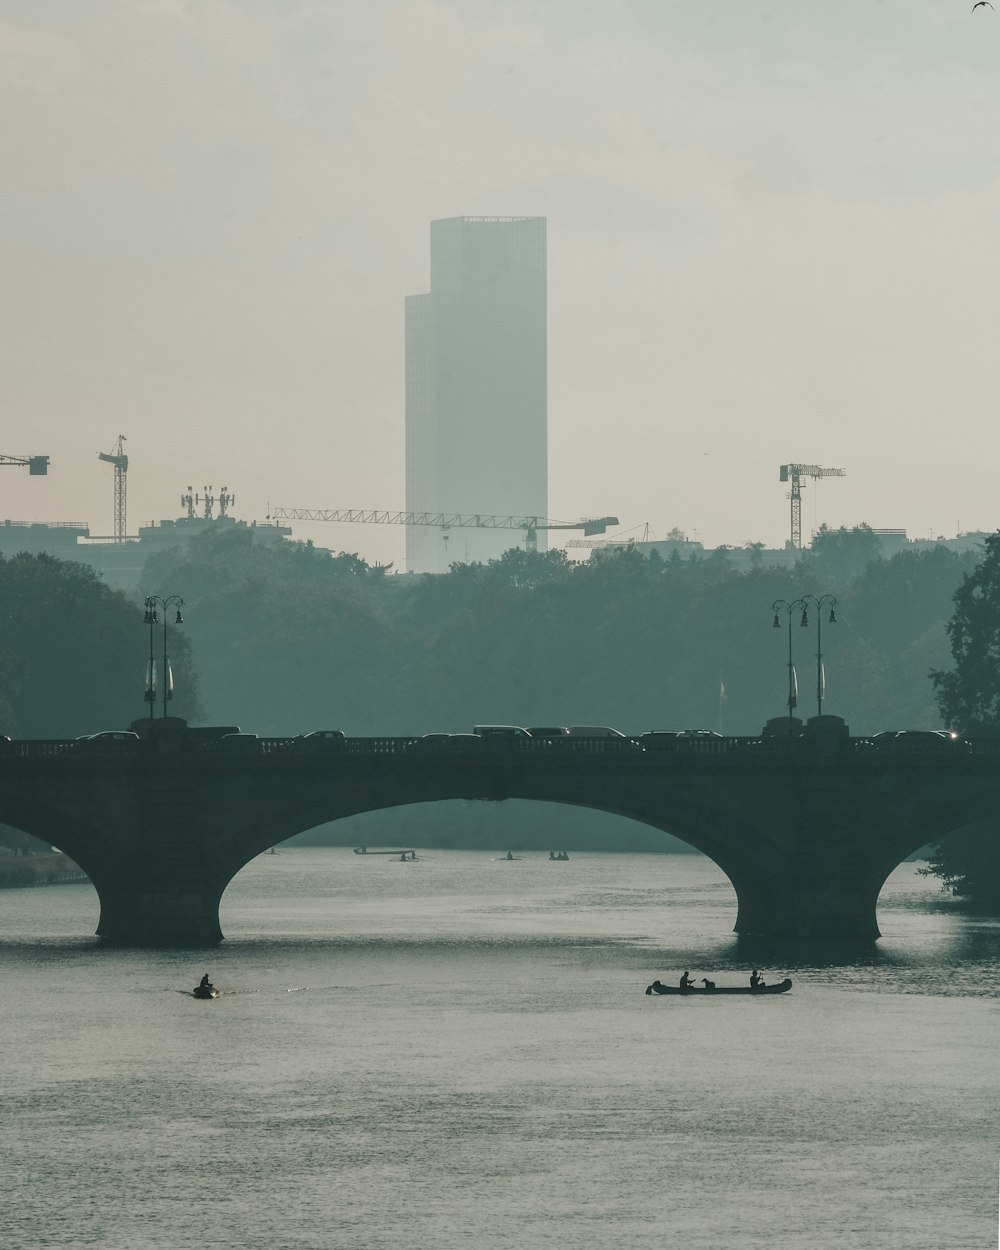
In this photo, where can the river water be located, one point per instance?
(458, 1052)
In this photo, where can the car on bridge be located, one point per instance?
(699, 740)
(920, 740)
(234, 744)
(106, 742)
(445, 743)
(319, 742)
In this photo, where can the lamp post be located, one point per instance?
(818, 605)
(796, 605)
(154, 605)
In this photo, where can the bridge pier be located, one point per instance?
(813, 883)
(141, 914)
(818, 913)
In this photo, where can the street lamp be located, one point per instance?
(818, 605)
(153, 605)
(796, 605)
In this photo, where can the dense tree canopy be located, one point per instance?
(969, 698)
(73, 653)
(968, 862)
(289, 638)
(969, 693)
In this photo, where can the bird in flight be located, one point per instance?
(979, 4)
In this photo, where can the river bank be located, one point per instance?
(37, 868)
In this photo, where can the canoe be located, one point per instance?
(205, 991)
(780, 987)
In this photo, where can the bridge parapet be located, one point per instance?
(465, 746)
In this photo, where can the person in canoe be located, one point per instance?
(757, 981)
(685, 983)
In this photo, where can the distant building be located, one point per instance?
(121, 564)
(476, 387)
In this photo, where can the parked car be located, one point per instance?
(550, 732)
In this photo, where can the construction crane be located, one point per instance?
(794, 473)
(530, 525)
(37, 466)
(118, 458)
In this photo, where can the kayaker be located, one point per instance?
(685, 982)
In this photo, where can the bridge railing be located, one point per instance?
(466, 747)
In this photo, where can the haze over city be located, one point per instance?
(770, 239)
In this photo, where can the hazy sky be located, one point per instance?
(772, 237)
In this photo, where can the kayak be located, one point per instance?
(780, 987)
(205, 991)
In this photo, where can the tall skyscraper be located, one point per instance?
(476, 387)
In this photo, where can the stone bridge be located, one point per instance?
(806, 834)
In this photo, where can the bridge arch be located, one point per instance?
(807, 840)
(734, 844)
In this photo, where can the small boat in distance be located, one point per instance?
(379, 850)
(205, 991)
(780, 987)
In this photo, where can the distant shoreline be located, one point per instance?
(40, 868)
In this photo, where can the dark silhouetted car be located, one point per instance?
(320, 742)
(441, 743)
(921, 740)
(236, 744)
(107, 742)
(659, 740)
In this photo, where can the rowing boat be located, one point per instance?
(780, 987)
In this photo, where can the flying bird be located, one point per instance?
(980, 3)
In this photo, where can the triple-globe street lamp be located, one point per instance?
(154, 605)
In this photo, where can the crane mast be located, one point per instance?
(118, 458)
(794, 473)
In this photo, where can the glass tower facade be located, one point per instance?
(476, 387)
